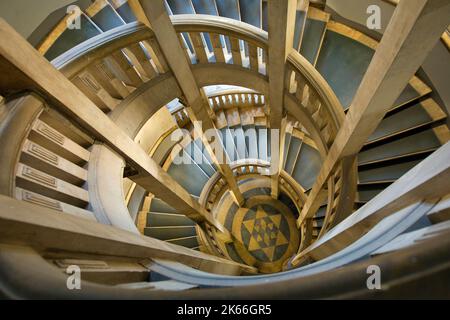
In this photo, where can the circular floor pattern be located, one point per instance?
(264, 230)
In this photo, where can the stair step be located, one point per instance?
(171, 232)
(239, 138)
(228, 143)
(104, 15)
(300, 20)
(386, 173)
(44, 184)
(385, 183)
(160, 206)
(52, 140)
(180, 6)
(188, 242)
(46, 161)
(368, 192)
(422, 141)
(158, 219)
(397, 159)
(123, 8)
(198, 157)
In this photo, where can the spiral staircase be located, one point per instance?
(180, 221)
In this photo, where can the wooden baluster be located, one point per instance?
(236, 51)
(302, 88)
(185, 47)
(141, 61)
(218, 49)
(313, 101)
(126, 70)
(199, 47)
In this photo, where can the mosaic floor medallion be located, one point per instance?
(265, 233)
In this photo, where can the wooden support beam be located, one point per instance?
(23, 68)
(282, 15)
(414, 30)
(169, 42)
(428, 181)
(45, 229)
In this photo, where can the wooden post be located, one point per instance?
(169, 42)
(282, 15)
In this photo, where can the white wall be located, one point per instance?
(356, 11)
(26, 15)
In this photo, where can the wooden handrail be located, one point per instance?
(322, 87)
(220, 25)
(98, 47)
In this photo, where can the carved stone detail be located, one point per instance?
(43, 153)
(39, 177)
(50, 133)
(41, 200)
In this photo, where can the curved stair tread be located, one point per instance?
(419, 142)
(123, 8)
(104, 15)
(251, 12)
(159, 219)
